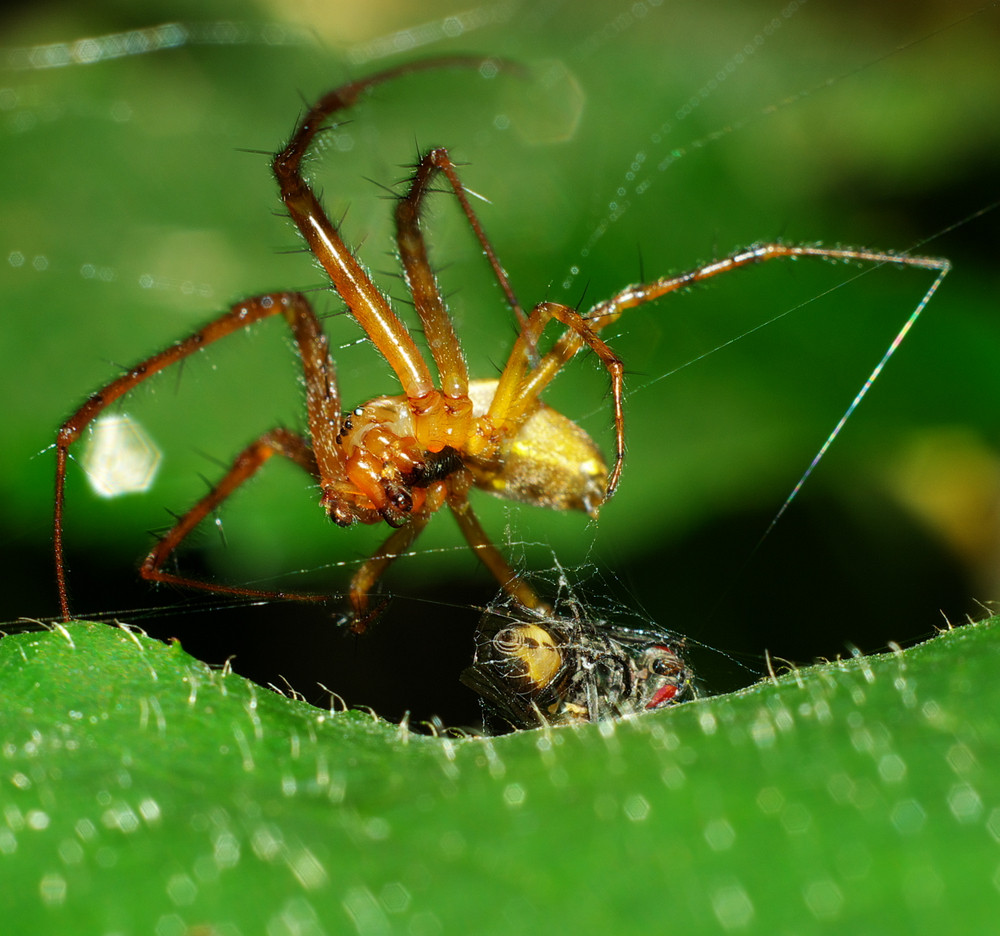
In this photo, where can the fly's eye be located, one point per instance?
(534, 652)
(665, 663)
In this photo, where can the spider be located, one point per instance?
(400, 458)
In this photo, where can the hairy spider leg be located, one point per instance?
(513, 584)
(456, 493)
(413, 253)
(364, 580)
(515, 392)
(343, 501)
(439, 332)
(275, 442)
(608, 311)
(364, 300)
(242, 315)
(441, 339)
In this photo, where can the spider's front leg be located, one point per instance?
(365, 302)
(608, 311)
(441, 416)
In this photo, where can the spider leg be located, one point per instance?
(516, 391)
(420, 280)
(372, 570)
(322, 409)
(610, 310)
(488, 554)
(365, 302)
(241, 315)
(276, 442)
(455, 491)
(413, 252)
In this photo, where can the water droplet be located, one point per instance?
(762, 731)
(70, 851)
(796, 819)
(993, 823)
(365, 912)
(377, 829)
(672, 777)
(37, 820)
(960, 758)
(170, 924)
(266, 842)
(120, 816)
(394, 897)
(182, 890)
(452, 845)
(891, 768)
(307, 868)
(120, 457)
(149, 809)
(226, 850)
(770, 800)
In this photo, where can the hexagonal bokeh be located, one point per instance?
(120, 457)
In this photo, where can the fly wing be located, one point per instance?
(500, 700)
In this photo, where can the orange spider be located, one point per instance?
(400, 458)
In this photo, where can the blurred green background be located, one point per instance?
(655, 136)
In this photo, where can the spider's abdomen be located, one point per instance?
(548, 460)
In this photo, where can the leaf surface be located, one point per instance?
(146, 792)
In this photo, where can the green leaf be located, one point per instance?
(144, 792)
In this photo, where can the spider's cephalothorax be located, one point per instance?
(566, 667)
(400, 458)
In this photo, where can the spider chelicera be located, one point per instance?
(401, 458)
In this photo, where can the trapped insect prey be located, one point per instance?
(569, 665)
